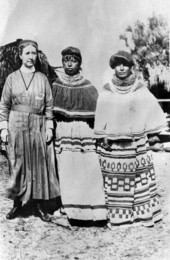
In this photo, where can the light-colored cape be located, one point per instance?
(127, 116)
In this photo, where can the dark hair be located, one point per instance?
(75, 52)
(121, 56)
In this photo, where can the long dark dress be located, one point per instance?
(33, 174)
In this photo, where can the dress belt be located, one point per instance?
(28, 109)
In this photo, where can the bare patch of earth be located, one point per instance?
(31, 239)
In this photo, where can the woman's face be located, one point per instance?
(122, 70)
(71, 65)
(29, 56)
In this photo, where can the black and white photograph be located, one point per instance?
(84, 130)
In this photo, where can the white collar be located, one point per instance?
(26, 70)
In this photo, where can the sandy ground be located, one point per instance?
(29, 238)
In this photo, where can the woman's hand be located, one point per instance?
(4, 135)
(105, 144)
(49, 135)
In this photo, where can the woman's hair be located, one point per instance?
(22, 44)
(73, 51)
(121, 57)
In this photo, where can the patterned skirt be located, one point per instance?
(129, 182)
(80, 176)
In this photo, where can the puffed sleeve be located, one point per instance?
(5, 104)
(49, 106)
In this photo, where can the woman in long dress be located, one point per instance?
(26, 123)
(80, 176)
(126, 113)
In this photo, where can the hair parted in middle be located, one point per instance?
(22, 44)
